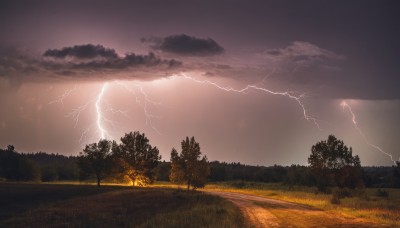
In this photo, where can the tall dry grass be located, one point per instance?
(117, 206)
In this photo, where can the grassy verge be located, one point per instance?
(366, 204)
(18, 198)
(113, 206)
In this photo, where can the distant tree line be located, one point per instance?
(36, 166)
(331, 164)
(372, 176)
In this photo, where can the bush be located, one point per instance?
(335, 199)
(340, 193)
(382, 193)
(343, 192)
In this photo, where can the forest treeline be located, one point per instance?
(46, 167)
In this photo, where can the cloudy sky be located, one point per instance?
(256, 82)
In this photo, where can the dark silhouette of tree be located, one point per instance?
(332, 163)
(55, 166)
(17, 167)
(137, 158)
(11, 148)
(96, 159)
(218, 171)
(188, 167)
(396, 175)
(162, 171)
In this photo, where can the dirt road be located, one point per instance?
(264, 212)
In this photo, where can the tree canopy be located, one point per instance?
(188, 166)
(96, 159)
(333, 163)
(137, 158)
(17, 167)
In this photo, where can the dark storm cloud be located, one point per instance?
(186, 45)
(82, 61)
(95, 57)
(87, 51)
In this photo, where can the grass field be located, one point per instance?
(167, 205)
(366, 204)
(67, 205)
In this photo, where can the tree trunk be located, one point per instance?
(98, 181)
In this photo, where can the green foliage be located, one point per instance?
(55, 167)
(335, 199)
(396, 175)
(17, 167)
(188, 166)
(382, 193)
(137, 159)
(96, 159)
(162, 171)
(49, 173)
(332, 163)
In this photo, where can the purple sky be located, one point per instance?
(235, 75)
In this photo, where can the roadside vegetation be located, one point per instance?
(375, 205)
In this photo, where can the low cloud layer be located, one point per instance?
(83, 62)
(186, 45)
(87, 51)
(300, 66)
(94, 57)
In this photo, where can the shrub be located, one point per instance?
(335, 199)
(382, 193)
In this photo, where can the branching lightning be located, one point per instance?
(60, 99)
(102, 131)
(142, 99)
(345, 105)
(255, 87)
(101, 107)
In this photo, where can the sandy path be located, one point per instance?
(264, 212)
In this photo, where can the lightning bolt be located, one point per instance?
(60, 99)
(287, 94)
(102, 107)
(345, 105)
(102, 131)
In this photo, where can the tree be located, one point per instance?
(187, 167)
(332, 163)
(396, 175)
(137, 158)
(11, 148)
(96, 159)
(17, 167)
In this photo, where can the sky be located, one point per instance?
(255, 82)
